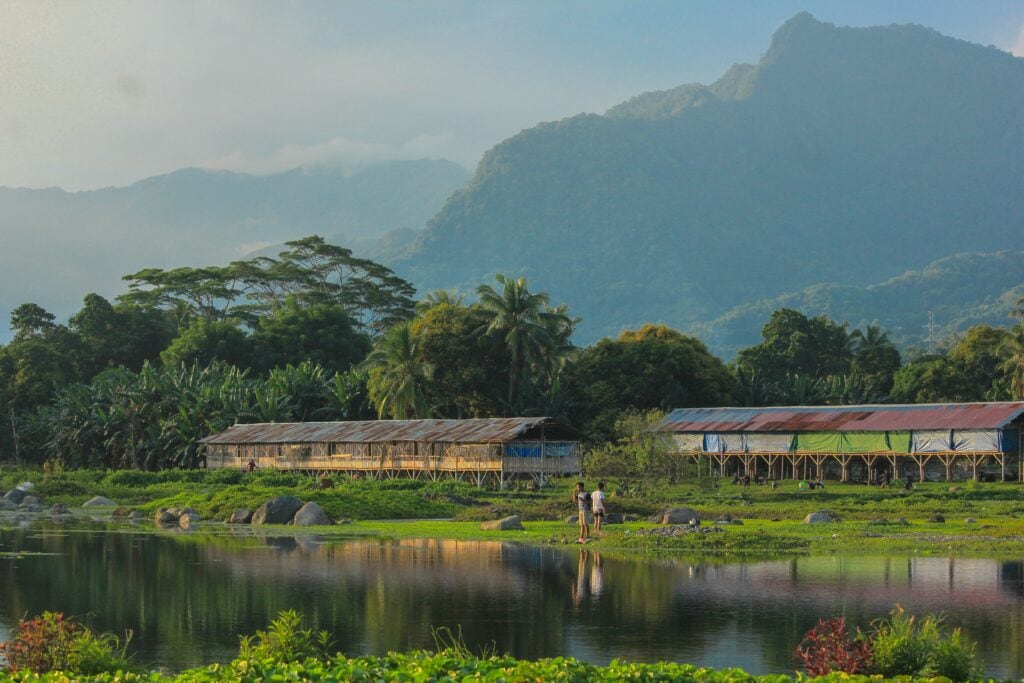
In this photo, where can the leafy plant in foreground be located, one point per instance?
(53, 642)
(905, 646)
(828, 647)
(285, 641)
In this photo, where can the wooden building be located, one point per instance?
(860, 443)
(488, 450)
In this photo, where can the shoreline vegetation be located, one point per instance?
(967, 519)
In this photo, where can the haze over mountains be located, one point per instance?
(60, 245)
(872, 174)
(845, 156)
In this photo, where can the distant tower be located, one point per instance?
(933, 332)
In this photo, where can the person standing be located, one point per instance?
(582, 499)
(597, 502)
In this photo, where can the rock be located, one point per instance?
(240, 517)
(680, 516)
(135, 515)
(99, 501)
(34, 507)
(174, 512)
(187, 511)
(188, 520)
(820, 517)
(278, 510)
(59, 509)
(121, 512)
(7, 505)
(32, 501)
(26, 486)
(15, 496)
(165, 516)
(970, 520)
(937, 519)
(512, 523)
(613, 518)
(311, 514)
(630, 518)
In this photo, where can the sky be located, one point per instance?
(107, 92)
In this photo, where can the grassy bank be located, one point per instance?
(873, 521)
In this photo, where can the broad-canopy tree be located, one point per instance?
(654, 367)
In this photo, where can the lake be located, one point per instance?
(188, 596)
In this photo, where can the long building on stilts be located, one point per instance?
(483, 450)
(867, 443)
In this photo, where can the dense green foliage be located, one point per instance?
(51, 642)
(838, 158)
(651, 368)
(286, 651)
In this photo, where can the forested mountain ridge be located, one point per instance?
(922, 308)
(58, 245)
(845, 156)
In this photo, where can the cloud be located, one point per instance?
(342, 152)
(1018, 47)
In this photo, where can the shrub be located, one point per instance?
(828, 647)
(52, 642)
(904, 646)
(284, 641)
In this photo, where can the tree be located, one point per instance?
(797, 345)
(636, 455)
(932, 379)
(30, 321)
(398, 375)
(124, 335)
(652, 368)
(321, 333)
(875, 360)
(467, 376)
(981, 354)
(205, 341)
(1012, 351)
(522, 322)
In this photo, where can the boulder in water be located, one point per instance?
(311, 514)
(188, 520)
(240, 517)
(278, 510)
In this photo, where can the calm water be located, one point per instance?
(188, 596)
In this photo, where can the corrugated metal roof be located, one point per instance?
(478, 430)
(844, 418)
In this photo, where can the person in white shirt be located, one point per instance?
(597, 503)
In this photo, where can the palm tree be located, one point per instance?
(398, 375)
(870, 338)
(517, 319)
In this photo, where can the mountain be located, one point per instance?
(919, 308)
(845, 156)
(60, 245)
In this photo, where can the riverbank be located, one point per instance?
(980, 520)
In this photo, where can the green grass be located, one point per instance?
(771, 517)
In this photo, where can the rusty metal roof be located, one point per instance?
(844, 418)
(478, 430)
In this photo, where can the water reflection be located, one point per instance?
(188, 596)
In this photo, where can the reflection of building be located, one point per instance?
(492, 449)
(866, 443)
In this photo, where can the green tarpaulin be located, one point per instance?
(820, 442)
(899, 442)
(853, 442)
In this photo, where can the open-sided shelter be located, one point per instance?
(480, 450)
(858, 441)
